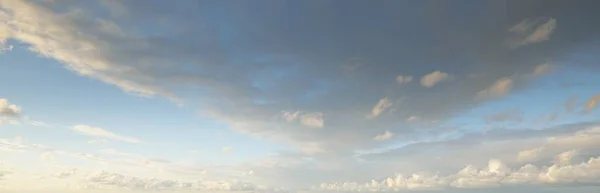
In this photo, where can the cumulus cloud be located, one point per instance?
(495, 175)
(384, 136)
(434, 78)
(381, 106)
(8, 110)
(403, 79)
(498, 89)
(531, 31)
(592, 103)
(309, 119)
(99, 132)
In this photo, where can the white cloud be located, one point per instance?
(403, 79)
(592, 103)
(99, 132)
(309, 119)
(531, 31)
(77, 41)
(434, 78)
(381, 106)
(496, 174)
(8, 110)
(314, 120)
(289, 116)
(498, 89)
(384, 136)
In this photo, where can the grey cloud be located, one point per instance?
(265, 58)
(531, 31)
(511, 115)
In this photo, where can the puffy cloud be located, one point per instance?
(498, 89)
(309, 119)
(403, 79)
(99, 132)
(381, 106)
(434, 78)
(592, 103)
(384, 136)
(8, 110)
(531, 31)
(495, 175)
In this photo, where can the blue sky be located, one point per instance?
(299, 96)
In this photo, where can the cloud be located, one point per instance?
(434, 78)
(8, 110)
(413, 118)
(289, 116)
(381, 106)
(529, 155)
(314, 120)
(99, 132)
(115, 180)
(542, 69)
(403, 79)
(384, 136)
(188, 51)
(65, 174)
(498, 89)
(592, 103)
(531, 31)
(512, 115)
(497, 174)
(309, 119)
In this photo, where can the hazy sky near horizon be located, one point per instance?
(299, 96)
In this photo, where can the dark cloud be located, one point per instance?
(253, 60)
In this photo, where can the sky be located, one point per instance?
(299, 96)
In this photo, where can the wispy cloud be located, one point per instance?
(99, 132)
(381, 106)
(531, 31)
